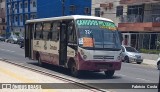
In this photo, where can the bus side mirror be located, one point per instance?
(63, 32)
(69, 32)
(70, 28)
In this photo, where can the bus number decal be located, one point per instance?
(88, 32)
(53, 47)
(99, 23)
(45, 45)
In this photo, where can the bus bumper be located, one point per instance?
(99, 66)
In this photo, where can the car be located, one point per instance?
(2, 38)
(130, 54)
(21, 43)
(158, 63)
(20, 39)
(12, 39)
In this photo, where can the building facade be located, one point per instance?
(18, 11)
(141, 23)
(106, 9)
(2, 17)
(54, 8)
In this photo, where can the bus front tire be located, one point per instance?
(74, 71)
(109, 73)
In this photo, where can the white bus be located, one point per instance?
(80, 43)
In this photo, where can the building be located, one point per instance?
(20, 10)
(106, 9)
(140, 23)
(17, 12)
(2, 17)
(54, 8)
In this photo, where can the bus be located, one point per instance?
(78, 42)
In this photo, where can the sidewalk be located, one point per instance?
(13, 74)
(150, 62)
(150, 59)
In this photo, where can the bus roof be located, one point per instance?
(67, 17)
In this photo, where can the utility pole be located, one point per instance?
(159, 82)
(63, 7)
(11, 17)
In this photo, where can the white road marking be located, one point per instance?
(144, 79)
(145, 70)
(7, 50)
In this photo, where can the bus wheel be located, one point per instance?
(74, 71)
(109, 73)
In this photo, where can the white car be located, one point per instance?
(130, 54)
(158, 63)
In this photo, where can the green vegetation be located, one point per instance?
(16, 33)
(149, 51)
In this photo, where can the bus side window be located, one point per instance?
(38, 31)
(55, 29)
(46, 30)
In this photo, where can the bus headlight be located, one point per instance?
(84, 56)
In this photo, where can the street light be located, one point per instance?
(63, 7)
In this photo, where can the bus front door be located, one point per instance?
(27, 41)
(63, 44)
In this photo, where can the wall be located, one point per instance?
(53, 8)
(107, 13)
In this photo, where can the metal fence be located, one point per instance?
(139, 18)
(145, 40)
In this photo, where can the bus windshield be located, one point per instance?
(97, 34)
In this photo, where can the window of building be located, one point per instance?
(16, 18)
(135, 10)
(26, 17)
(3, 27)
(21, 5)
(16, 6)
(97, 12)
(3, 20)
(119, 11)
(1, 9)
(33, 16)
(26, 4)
(72, 9)
(21, 18)
(87, 10)
(34, 3)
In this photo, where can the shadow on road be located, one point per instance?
(85, 74)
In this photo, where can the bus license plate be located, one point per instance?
(103, 69)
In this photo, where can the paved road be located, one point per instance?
(130, 73)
